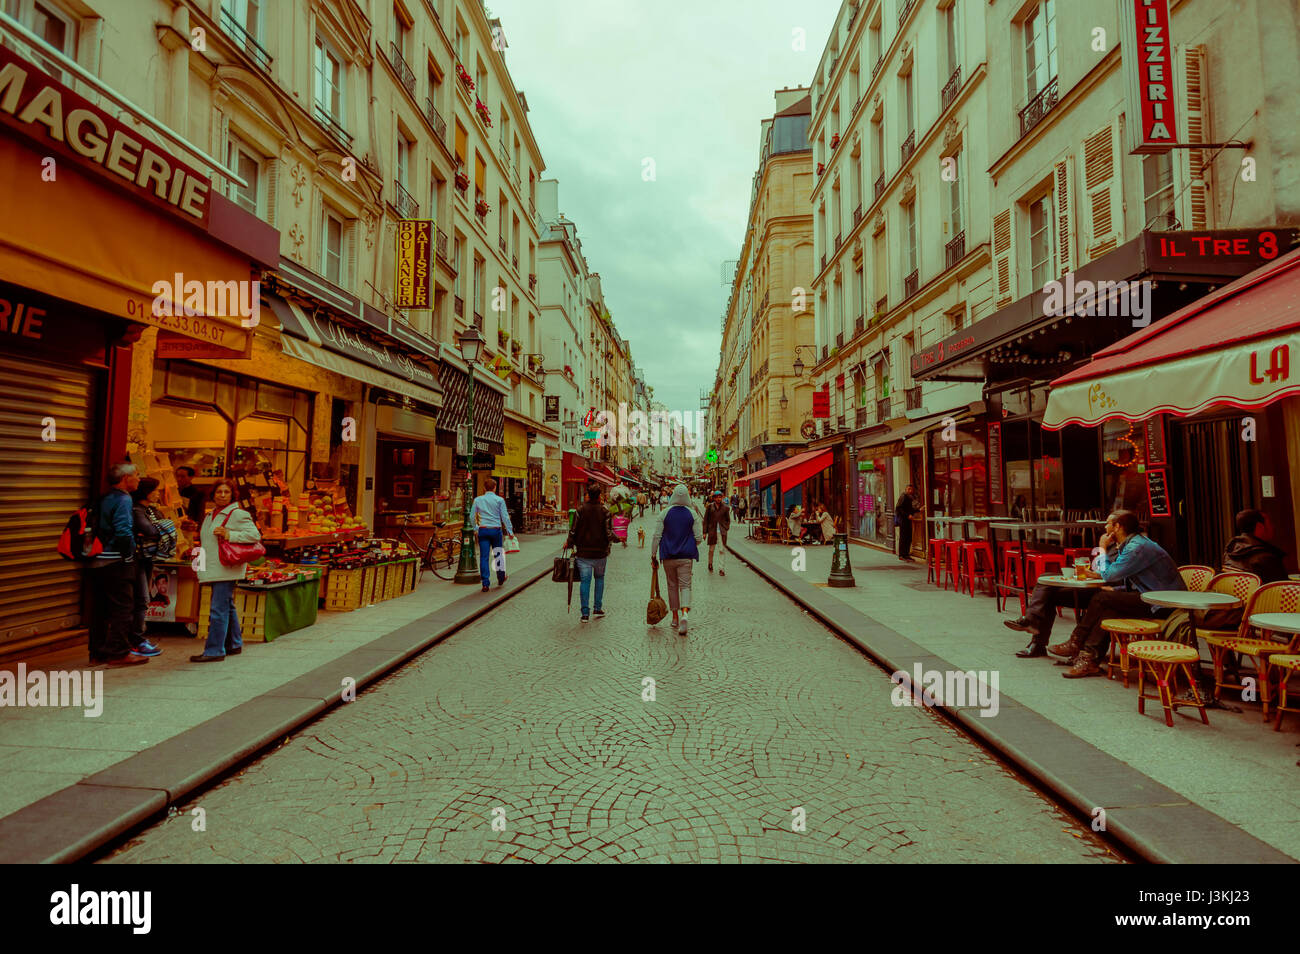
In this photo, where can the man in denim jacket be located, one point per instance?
(1143, 566)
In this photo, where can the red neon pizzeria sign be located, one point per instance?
(1148, 63)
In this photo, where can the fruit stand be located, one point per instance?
(274, 599)
(363, 572)
(318, 517)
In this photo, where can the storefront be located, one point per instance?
(489, 426)
(92, 262)
(573, 475)
(511, 471)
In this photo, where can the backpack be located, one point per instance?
(79, 541)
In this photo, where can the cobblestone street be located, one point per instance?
(536, 722)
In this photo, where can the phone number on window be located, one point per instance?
(193, 325)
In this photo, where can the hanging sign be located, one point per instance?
(1146, 55)
(414, 240)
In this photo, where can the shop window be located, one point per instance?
(1122, 453)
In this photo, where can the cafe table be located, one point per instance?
(1194, 603)
(1288, 623)
(1072, 583)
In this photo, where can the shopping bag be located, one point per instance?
(657, 609)
(512, 544)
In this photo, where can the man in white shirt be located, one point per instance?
(491, 520)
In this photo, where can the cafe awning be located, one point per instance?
(768, 474)
(1230, 348)
(879, 442)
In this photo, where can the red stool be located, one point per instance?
(1036, 564)
(934, 560)
(1012, 569)
(952, 563)
(978, 559)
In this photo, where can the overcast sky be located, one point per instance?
(685, 83)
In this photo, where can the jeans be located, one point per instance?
(722, 553)
(143, 574)
(1110, 604)
(1043, 602)
(490, 539)
(678, 576)
(905, 538)
(589, 568)
(223, 621)
(113, 587)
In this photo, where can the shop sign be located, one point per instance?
(822, 401)
(939, 352)
(173, 345)
(35, 323)
(995, 462)
(1157, 493)
(1146, 52)
(414, 240)
(1221, 252)
(482, 461)
(552, 408)
(364, 349)
(60, 121)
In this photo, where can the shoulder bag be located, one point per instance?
(656, 609)
(233, 554)
(564, 569)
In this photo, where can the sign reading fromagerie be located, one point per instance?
(60, 121)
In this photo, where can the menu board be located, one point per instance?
(1157, 492)
(995, 463)
(1154, 428)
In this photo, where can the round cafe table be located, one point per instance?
(1071, 583)
(1194, 603)
(1288, 623)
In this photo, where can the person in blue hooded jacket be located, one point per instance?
(677, 544)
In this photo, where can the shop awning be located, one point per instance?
(598, 477)
(768, 474)
(792, 477)
(1229, 349)
(296, 348)
(900, 434)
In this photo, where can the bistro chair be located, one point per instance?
(1197, 578)
(1165, 660)
(1123, 632)
(977, 557)
(1243, 586)
(1285, 665)
(1283, 597)
(952, 568)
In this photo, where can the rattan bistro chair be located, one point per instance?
(1164, 660)
(1283, 597)
(1196, 578)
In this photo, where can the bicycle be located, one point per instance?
(441, 555)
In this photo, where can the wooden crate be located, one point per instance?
(343, 590)
(409, 576)
(249, 605)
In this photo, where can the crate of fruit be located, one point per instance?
(251, 607)
(372, 585)
(343, 589)
(408, 572)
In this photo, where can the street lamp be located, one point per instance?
(798, 365)
(785, 401)
(471, 346)
(539, 371)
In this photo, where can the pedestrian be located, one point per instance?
(794, 521)
(826, 524)
(677, 543)
(112, 574)
(490, 518)
(155, 539)
(192, 496)
(592, 537)
(742, 506)
(228, 521)
(904, 510)
(640, 502)
(717, 521)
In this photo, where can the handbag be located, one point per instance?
(656, 609)
(233, 554)
(564, 569)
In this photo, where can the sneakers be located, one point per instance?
(600, 614)
(681, 626)
(1066, 650)
(585, 618)
(1084, 665)
(147, 648)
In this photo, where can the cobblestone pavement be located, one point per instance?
(537, 723)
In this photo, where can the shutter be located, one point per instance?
(1064, 216)
(1103, 186)
(40, 592)
(1004, 264)
(1193, 180)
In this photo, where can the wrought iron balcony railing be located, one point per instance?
(478, 320)
(950, 90)
(878, 187)
(441, 245)
(839, 340)
(912, 398)
(460, 307)
(435, 119)
(909, 146)
(407, 207)
(400, 68)
(904, 10)
(857, 215)
(883, 411)
(333, 126)
(910, 284)
(955, 250)
(860, 325)
(246, 40)
(860, 417)
(1039, 106)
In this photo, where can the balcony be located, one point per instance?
(332, 126)
(910, 284)
(904, 11)
(912, 398)
(514, 263)
(501, 243)
(256, 52)
(880, 61)
(763, 307)
(839, 240)
(878, 187)
(908, 147)
(1039, 106)
(839, 340)
(460, 307)
(860, 325)
(441, 245)
(532, 209)
(882, 304)
(950, 90)
(883, 411)
(823, 261)
(407, 207)
(435, 120)
(857, 215)
(955, 250)
(825, 352)
(400, 68)
(532, 282)
(860, 417)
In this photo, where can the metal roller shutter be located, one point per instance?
(41, 482)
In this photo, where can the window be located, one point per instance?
(909, 113)
(329, 82)
(402, 32)
(247, 15)
(458, 256)
(948, 16)
(480, 290)
(1158, 191)
(333, 248)
(245, 162)
(403, 161)
(49, 22)
(956, 225)
(1040, 240)
(1040, 48)
(909, 221)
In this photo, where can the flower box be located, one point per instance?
(821, 167)
(515, 348)
(835, 140)
(463, 75)
(481, 208)
(483, 112)
(462, 181)
(503, 336)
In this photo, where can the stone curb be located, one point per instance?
(1150, 820)
(75, 821)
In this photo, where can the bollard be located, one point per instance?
(841, 571)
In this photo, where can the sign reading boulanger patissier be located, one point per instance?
(1146, 52)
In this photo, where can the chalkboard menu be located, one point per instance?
(1155, 439)
(1157, 492)
(995, 463)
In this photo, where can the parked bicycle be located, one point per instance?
(441, 554)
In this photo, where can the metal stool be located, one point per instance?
(978, 560)
(934, 560)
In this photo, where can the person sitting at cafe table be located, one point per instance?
(1250, 550)
(1143, 565)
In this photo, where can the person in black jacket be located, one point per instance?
(1250, 551)
(592, 536)
(905, 509)
(149, 526)
(717, 521)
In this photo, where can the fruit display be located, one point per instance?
(352, 554)
(274, 571)
(324, 511)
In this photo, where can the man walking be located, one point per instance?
(592, 537)
(677, 542)
(640, 502)
(490, 518)
(112, 575)
(717, 521)
(903, 513)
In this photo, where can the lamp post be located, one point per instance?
(471, 346)
(798, 364)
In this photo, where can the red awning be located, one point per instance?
(600, 477)
(768, 474)
(1230, 348)
(796, 475)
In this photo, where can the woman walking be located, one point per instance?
(677, 543)
(592, 536)
(155, 539)
(231, 522)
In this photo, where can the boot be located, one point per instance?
(1084, 665)
(1066, 650)
(1034, 650)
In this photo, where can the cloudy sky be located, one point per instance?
(685, 83)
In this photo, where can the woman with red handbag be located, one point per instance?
(228, 539)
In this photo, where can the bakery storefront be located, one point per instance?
(92, 260)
